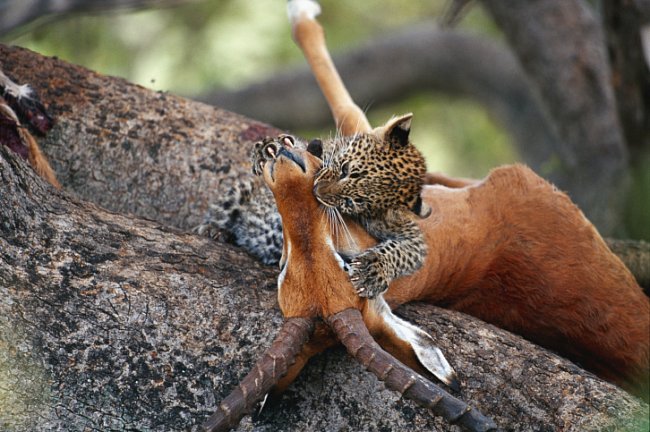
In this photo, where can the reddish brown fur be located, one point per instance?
(38, 160)
(516, 252)
(511, 250)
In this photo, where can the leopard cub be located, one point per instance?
(377, 178)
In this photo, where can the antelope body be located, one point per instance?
(511, 250)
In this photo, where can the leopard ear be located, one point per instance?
(396, 131)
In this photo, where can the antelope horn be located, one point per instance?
(268, 370)
(350, 329)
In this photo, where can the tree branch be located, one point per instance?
(131, 150)
(623, 21)
(636, 256)
(18, 13)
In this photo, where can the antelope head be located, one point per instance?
(313, 284)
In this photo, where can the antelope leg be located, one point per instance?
(349, 327)
(268, 370)
(310, 37)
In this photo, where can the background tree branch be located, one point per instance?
(111, 321)
(18, 13)
(415, 60)
(623, 21)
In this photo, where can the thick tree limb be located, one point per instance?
(561, 46)
(110, 321)
(636, 256)
(114, 322)
(131, 150)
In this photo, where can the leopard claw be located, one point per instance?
(287, 140)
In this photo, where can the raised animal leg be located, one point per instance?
(310, 37)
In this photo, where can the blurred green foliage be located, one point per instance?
(209, 44)
(204, 45)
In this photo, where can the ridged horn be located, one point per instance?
(350, 329)
(268, 370)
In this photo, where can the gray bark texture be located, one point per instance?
(109, 321)
(131, 150)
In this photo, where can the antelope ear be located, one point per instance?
(397, 129)
(423, 345)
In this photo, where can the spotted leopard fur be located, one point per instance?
(374, 177)
(377, 178)
(245, 215)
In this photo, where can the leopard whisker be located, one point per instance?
(350, 240)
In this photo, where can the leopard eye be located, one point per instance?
(344, 170)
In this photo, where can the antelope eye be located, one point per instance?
(344, 170)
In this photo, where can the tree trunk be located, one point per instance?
(623, 22)
(109, 321)
(561, 46)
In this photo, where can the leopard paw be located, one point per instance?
(368, 275)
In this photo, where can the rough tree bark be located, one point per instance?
(111, 321)
(131, 150)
